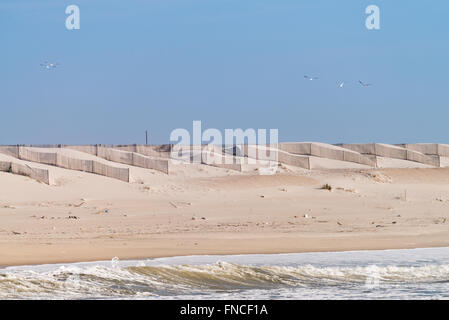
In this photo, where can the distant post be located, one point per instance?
(146, 137)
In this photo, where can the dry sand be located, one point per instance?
(200, 209)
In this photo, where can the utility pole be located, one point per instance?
(146, 137)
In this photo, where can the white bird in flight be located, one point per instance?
(48, 65)
(365, 84)
(310, 78)
(341, 84)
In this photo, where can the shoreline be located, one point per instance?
(32, 255)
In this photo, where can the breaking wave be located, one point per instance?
(222, 280)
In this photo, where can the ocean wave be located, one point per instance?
(140, 281)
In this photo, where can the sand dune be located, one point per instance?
(200, 209)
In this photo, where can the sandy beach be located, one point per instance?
(224, 150)
(200, 209)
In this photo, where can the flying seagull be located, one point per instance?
(49, 65)
(341, 84)
(310, 78)
(365, 84)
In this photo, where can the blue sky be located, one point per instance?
(160, 64)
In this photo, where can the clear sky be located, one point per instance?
(160, 64)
